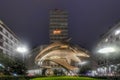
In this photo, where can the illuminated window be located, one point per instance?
(56, 32)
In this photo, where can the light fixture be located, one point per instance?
(83, 63)
(106, 40)
(107, 50)
(22, 49)
(117, 32)
(56, 32)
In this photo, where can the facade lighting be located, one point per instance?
(83, 63)
(107, 50)
(117, 32)
(106, 40)
(56, 32)
(55, 57)
(64, 46)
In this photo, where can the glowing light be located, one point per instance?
(14, 74)
(107, 50)
(106, 40)
(57, 32)
(54, 57)
(111, 65)
(83, 63)
(64, 46)
(1, 65)
(22, 49)
(117, 32)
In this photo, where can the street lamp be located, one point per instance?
(23, 50)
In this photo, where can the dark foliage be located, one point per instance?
(11, 66)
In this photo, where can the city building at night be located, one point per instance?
(58, 26)
(59, 55)
(107, 51)
(58, 29)
(8, 41)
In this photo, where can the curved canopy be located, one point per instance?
(62, 53)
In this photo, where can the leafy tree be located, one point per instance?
(84, 69)
(12, 65)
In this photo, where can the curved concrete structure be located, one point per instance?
(61, 53)
(64, 64)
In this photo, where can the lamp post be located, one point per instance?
(23, 50)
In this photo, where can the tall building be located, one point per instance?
(58, 32)
(8, 41)
(58, 28)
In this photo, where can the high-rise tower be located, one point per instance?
(58, 28)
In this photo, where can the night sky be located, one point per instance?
(88, 19)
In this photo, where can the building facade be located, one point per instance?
(111, 39)
(8, 41)
(58, 27)
(58, 34)
(58, 31)
(107, 52)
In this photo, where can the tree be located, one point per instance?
(84, 69)
(12, 65)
